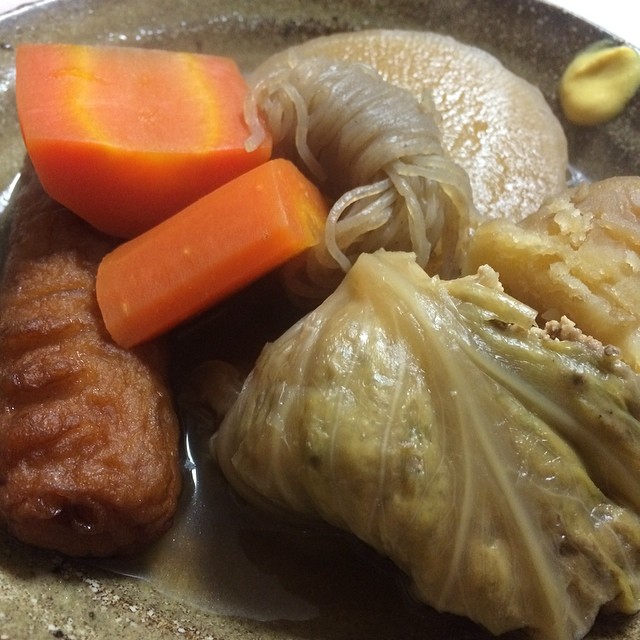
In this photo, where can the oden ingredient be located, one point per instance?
(376, 150)
(125, 137)
(88, 437)
(496, 463)
(213, 248)
(578, 256)
(495, 125)
(599, 82)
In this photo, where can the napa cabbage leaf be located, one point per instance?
(495, 462)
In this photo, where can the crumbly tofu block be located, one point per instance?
(578, 256)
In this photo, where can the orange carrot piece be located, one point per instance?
(125, 137)
(211, 249)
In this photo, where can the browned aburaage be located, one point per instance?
(89, 461)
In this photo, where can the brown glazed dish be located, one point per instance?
(345, 593)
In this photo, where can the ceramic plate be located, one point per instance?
(266, 581)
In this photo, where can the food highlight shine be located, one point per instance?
(484, 439)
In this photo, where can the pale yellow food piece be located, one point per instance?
(495, 125)
(598, 83)
(578, 256)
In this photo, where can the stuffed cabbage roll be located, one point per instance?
(496, 463)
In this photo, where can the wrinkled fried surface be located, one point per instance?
(577, 256)
(89, 460)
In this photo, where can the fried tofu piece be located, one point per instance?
(89, 439)
(577, 256)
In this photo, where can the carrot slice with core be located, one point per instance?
(211, 249)
(125, 137)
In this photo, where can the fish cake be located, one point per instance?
(89, 439)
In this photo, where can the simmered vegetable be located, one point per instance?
(125, 137)
(211, 249)
(497, 463)
(495, 125)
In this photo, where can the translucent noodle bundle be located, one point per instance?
(375, 149)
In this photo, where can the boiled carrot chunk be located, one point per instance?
(126, 137)
(213, 248)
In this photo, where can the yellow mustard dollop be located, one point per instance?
(599, 82)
